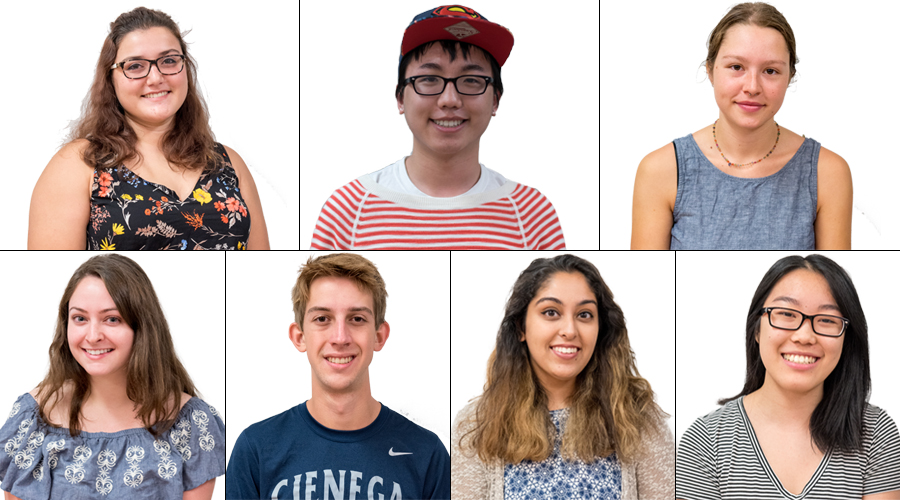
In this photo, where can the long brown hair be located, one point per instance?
(610, 408)
(190, 143)
(156, 378)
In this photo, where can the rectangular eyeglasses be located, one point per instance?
(435, 85)
(791, 319)
(134, 69)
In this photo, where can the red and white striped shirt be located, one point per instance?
(365, 215)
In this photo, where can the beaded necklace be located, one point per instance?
(752, 162)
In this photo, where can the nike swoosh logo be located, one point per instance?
(392, 453)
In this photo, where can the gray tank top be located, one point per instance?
(714, 210)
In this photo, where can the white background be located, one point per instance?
(544, 134)
(51, 52)
(711, 351)
(34, 282)
(643, 285)
(267, 374)
(653, 90)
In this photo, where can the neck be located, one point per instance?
(150, 134)
(558, 393)
(443, 176)
(345, 411)
(109, 391)
(743, 145)
(786, 407)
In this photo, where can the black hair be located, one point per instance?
(837, 421)
(450, 47)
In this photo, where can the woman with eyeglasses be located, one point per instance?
(141, 170)
(801, 427)
(564, 413)
(117, 416)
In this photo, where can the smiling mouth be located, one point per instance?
(158, 94)
(454, 123)
(341, 361)
(97, 352)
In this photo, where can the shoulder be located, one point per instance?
(659, 164)
(831, 166)
(879, 422)
(67, 164)
(237, 163)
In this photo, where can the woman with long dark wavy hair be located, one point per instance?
(564, 413)
(142, 170)
(801, 427)
(117, 415)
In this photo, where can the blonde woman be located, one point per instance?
(744, 182)
(564, 412)
(117, 415)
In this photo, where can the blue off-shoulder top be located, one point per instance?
(41, 462)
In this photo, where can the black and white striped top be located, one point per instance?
(719, 458)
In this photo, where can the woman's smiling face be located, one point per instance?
(751, 74)
(133, 93)
(808, 292)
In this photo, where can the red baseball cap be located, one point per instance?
(455, 22)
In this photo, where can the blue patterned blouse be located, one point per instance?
(554, 478)
(40, 462)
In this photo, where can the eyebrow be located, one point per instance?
(554, 299)
(467, 67)
(85, 310)
(795, 302)
(352, 309)
(766, 63)
(161, 54)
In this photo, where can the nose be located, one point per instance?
(154, 75)
(340, 335)
(450, 98)
(805, 334)
(95, 333)
(752, 85)
(567, 328)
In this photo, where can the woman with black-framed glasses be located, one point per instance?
(142, 169)
(801, 427)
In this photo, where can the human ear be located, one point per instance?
(400, 103)
(297, 337)
(381, 335)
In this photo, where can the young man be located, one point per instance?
(440, 197)
(340, 444)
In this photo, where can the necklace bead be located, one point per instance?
(752, 162)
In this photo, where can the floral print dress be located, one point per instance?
(130, 213)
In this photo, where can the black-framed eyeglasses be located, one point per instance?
(791, 319)
(134, 69)
(435, 85)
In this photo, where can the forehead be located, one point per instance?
(808, 287)
(147, 43)
(90, 289)
(754, 42)
(566, 287)
(338, 292)
(436, 55)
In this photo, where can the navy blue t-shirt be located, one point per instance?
(292, 456)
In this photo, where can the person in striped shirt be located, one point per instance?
(801, 428)
(440, 196)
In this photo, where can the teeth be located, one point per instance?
(340, 361)
(157, 95)
(565, 350)
(793, 358)
(96, 353)
(448, 124)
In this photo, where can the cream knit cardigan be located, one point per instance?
(651, 476)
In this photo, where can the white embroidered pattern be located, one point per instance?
(53, 449)
(106, 460)
(213, 410)
(25, 457)
(15, 409)
(167, 467)
(14, 442)
(135, 475)
(181, 439)
(207, 443)
(75, 472)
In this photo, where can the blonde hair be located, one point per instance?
(343, 265)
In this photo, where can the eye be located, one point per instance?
(77, 318)
(428, 79)
(134, 65)
(773, 71)
(785, 314)
(828, 321)
(550, 313)
(359, 319)
(170, 60)
(114, 320)
(586, 315)
(320, 319)
(735, 66)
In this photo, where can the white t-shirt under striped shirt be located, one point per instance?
(378, 211)
(719, 457)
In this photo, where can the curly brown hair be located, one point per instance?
(190, 143)
(156, 378)
(612, 404)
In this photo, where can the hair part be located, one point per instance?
(837, 421)
(156, 378)
(756, 14)
(111, 140)
(612, 404)
(449, 47)
(341, 265)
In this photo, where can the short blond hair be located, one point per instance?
(342, 265)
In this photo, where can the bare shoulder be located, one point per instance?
(67, 166)
(240, 168)
(659, 172)
(832, 165)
